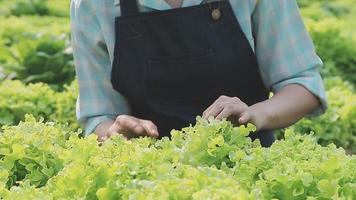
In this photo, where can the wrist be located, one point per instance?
(262, 116)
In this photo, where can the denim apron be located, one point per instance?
(172, 64)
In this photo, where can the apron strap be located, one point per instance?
(128, 7)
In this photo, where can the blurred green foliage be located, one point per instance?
(57, 8)
(44, 58)
(337, 52)
(29, 7)
(14, 29)
(36, 48)
(332, 27)
(338, 124)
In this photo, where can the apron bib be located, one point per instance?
(172, 64)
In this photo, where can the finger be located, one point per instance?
(125, 121)
(207, 111)
(138, 130)
(232, 110)
(102, 139)
(215, 110)
(245, 118)
(225, 113)
(150, 128)
(114, 130)
(211, 106)
(125, 125)
(220, 100)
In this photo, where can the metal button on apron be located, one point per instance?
(216, 14)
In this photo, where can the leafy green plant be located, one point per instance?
(12, 36)
(46, 59)
(59, 8)
(13, 29)
(337, 52)
(338, 124)
(330, 24)
(30, 152)
(17, 30)
(65, 103)
(326, 8)
(18, 99)
(181, 168)
(210, 160)
(298, 168)
(29, 7)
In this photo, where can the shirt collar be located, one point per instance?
(162, 4)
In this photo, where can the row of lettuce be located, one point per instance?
(46, 161)
(45, 157)
(36, 66)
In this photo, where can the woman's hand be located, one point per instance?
(286, 107)
(236, 111)
(128, 126)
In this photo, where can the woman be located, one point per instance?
(147, 67)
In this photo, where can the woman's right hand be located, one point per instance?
(128, 126)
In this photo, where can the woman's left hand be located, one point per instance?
(236, 111)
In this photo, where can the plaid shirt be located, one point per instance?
(275, 30)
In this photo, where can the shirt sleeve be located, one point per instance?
(97, 101)
(284, 49)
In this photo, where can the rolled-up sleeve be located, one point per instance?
(284, 49)
(97, 101)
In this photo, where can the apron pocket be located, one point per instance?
(189, 77)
